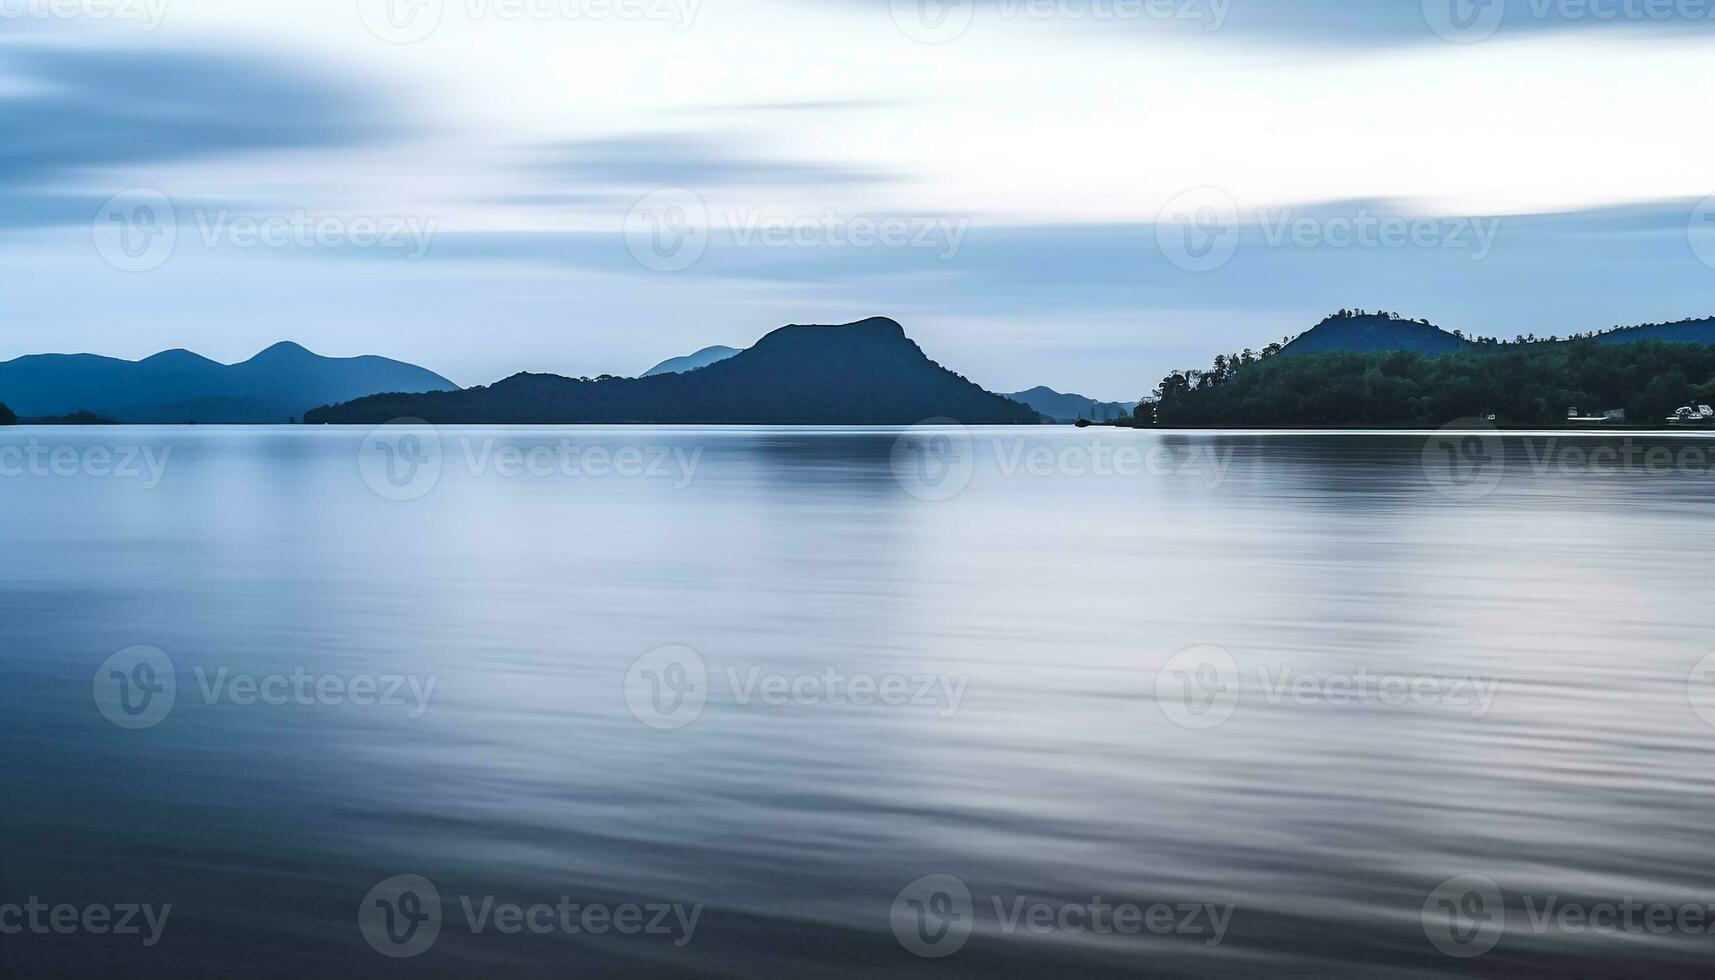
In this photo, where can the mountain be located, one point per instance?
(1369, 332)
(1071, 408)
(690, 362)
(6, 416)
(178, 386)
(867, 372)
(1684, 332)
(1363, 333)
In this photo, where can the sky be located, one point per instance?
(1084, 194)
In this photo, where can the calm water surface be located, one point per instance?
(1018, 617)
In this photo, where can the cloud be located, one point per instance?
(71, 110)
(800, 105)
(687, 160)
(1548, 273)
(1351, 26)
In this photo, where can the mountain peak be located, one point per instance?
(178, 355)
(880, 324)
(1361, 332)
(875, 328)
(283, 350)
(691, 362)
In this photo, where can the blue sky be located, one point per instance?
(1063, 192)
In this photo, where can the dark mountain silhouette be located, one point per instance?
(1070, 408)
(282, 382)
(75, 418)
(867, 372)
(1360, 332)
(1683, 332)
(6, 416)
(1369, 332)
(691, 362)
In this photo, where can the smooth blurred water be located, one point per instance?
(1049, 598)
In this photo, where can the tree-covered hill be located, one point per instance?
(1519, 383)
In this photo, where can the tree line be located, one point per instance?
(1518, 383)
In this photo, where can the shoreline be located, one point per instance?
(1491, 428)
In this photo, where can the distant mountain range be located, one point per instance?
(868, 372)
(691, 362)
(1060, 407)
(176, 386)
(864, 372)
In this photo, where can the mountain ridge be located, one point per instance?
(278, 383)
(1359, 332)
(1069, 406)
(865, 372)
(690, 362)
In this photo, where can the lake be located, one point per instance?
(837, 702)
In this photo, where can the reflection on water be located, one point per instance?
(883, 662)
